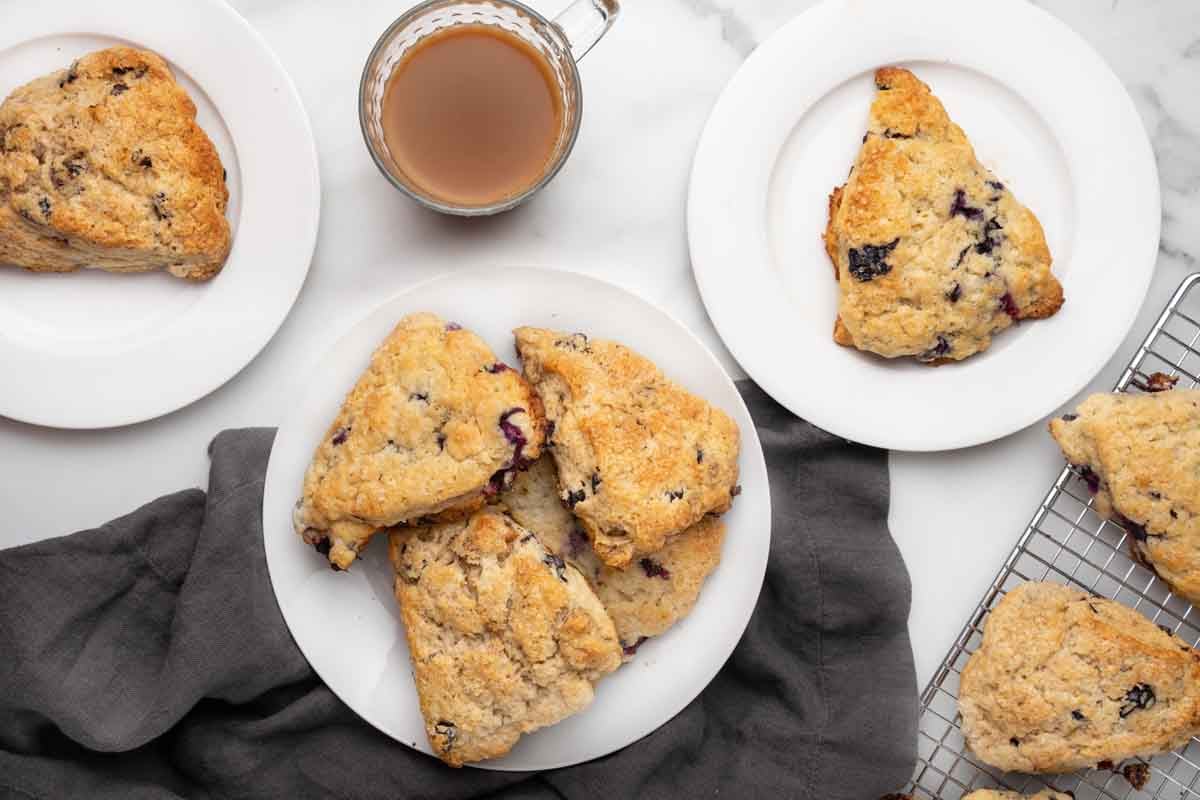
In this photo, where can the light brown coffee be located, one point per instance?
(472, 114)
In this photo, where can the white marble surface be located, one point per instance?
(616, 211)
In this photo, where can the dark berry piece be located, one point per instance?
(937, 351)
(419, 397)
(339, 438)
(447, 730)
(1166, 630)
(1090, 478)
(119, 89)
(1160, 382)
(500, 479)
(1010, 306)
(44, 205)
(1174, 515)
(1138, 698)
(630, 649)
(1137, 773)
(549, 430)
(865, 135)
(736, 490)
(441, 441)
(1105, 764)
(1156, 495)
(596, 482)
(699, 456)
(1015, 742)
(514, 436)
(674, 494)
(453, 326)
(653, 569)
(997, 185)
(962, 254)
(322, 547)
(119, 71)
(990, 238)
(556, 563)
(954, 294)
(1078, 716)
(333, 565)
(960, 207)
(72, 74)
(497, 368)
(1069, 417)
(891, 134)
(527, 537)
(575, 496)
(74, 166)
(870, 261)
(145, 162)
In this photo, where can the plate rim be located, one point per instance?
(751, 448)
(124, 405)
(742, 345)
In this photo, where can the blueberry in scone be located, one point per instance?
(646, 597)
(999, 794)
(933, 255)
(103, 165)
(504, 637)
(1064, 680)
(434, 428)
(639, 458)
(1140, 457)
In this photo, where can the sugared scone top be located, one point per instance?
(639, 458)
(505, 637)
(102, 164)
(932, 252)
(436, 425)
(1140, 456)
(1064, 680)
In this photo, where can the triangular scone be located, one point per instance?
(933, 254)
(1141, 457)
(1000, 794)
(639, 458)
(435, 425)
(645, 598)
(103, 165)
(505, 638)
(1064, 680)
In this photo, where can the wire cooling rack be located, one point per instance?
(1068, 543)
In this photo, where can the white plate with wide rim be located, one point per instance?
(347, 624)
(90, 349)
(1043, 111)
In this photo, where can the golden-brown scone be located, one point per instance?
(1140, 455)
(933, 255)
(999, 794)
(505, 638)
(433, 428)
(639, 458)
(645, 598)
(1064, 680)
(103, 165)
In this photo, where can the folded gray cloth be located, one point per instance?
(147, 659)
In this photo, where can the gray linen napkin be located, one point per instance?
(147, 659)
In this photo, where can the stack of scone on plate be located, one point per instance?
(1064, 680)
(541, 525)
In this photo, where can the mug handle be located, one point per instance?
(583, 23)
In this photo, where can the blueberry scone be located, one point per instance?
(505, 637)
(103, 165)
(933, 255)
(645, 598)
(999, 794)
(639, 458)
(1140, 456)
(1064, 680)
(436, 425)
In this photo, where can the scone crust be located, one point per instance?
(639, 458)
(644, 598)
(1064, 680)
(103, 165)
(933, 255)
(1144, 453)
(433, 427)
(504, 637)
(999, 794)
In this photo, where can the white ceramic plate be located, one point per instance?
(90, 349)
(347, 624)
(1044, 113)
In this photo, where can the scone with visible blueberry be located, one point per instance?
(1140, 456)
(103, 165)
(505, 638)
(1064, 681)
(645, 598)
(933, 255)
(639, 458)
(436, 425)
(999, 794)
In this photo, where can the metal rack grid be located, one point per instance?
(1068, 543)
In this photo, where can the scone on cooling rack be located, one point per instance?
(644, 598)
(639, 458)
(505, 637)
(933, 255)
(1140, 455)
(1064, 680)
(436, 425)
(103, 165)
(1000, 794)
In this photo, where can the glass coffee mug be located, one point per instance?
(559, 43)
